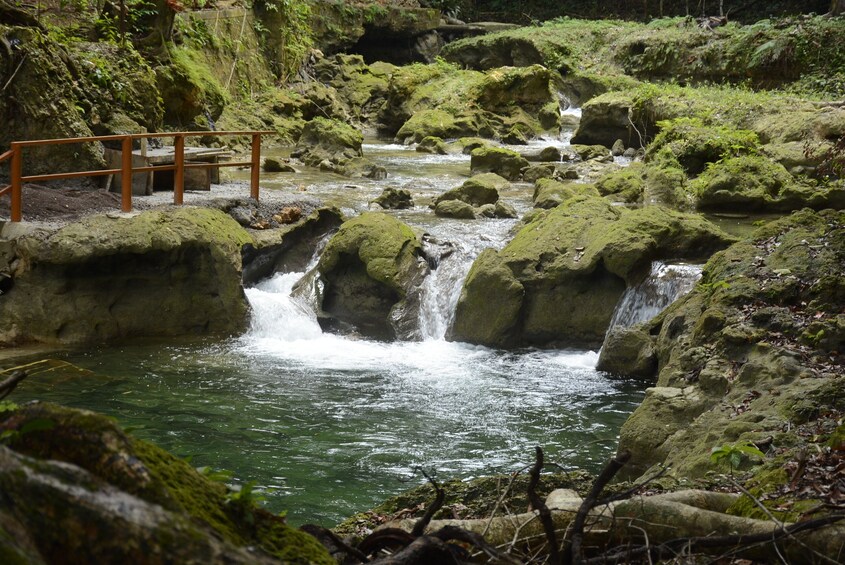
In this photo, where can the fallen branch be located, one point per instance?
(572, 552)
(541, 508)
(7, 386)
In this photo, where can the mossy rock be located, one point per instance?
(503, 162)
(549, 193)
(189, 88)
(394, 199)
(454, 209)
(694, 145)
(438, 123)
(323, 139)
(755, 183)
(477, 190)
(717, 341)
(140, 489)
(184, 264)
(530, 88)
(432, 144)
(576, 258)
(588, 152)
(628, 352)
(625, 185)
(370, 269)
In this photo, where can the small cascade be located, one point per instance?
(663, 285)
(278, 315)
(442, 287)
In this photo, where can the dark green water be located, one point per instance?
(328, 426)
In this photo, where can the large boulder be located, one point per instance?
(327, 140)
(559, 279)
(503, 162)
(753, 352)
(100, 279)
(477, 190)
(76, 487)
(371, 270)
(605, 119)
(752, 183)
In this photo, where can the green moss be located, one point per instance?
(387, 247)
(624, 185)
(750, 182)
(694, 145)
(189, 88)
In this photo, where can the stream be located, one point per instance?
(327, 426)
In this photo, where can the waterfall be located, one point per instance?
(442, 287)
(663, 285)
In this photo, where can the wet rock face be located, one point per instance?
(761, 333)
(154, 274)
(371, 271)
(559, 279)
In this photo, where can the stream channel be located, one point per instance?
(328, 426)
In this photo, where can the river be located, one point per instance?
(326, 425)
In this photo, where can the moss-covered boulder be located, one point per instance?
(330, 141)
(588, 152)
(558, 280)
(503, 162)
(694, 145)
(432, 144)
(435, 122)
(628, 352)
(371, 270)
(549, 193)
(100, 278)
(394, 199)
(75, 484)
(754, 183)
(477, 190)
(649, 183)
(456, 209)
(752, 352)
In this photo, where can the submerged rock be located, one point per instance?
(371, 270)
(558, 280)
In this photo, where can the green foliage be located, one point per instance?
(8, 406)
(735, 453)
(285, 29)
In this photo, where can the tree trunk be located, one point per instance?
(837, 7)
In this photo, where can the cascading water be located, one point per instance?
(664, 284)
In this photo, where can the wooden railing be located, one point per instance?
(15, 156)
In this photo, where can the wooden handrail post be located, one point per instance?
(179, 171)
(126, 174)
(16, 171)
(256, 165)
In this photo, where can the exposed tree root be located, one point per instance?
(606, 531)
